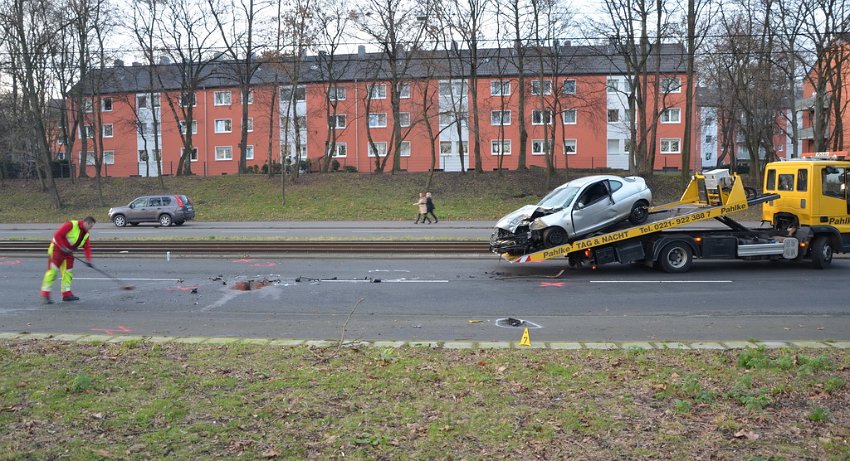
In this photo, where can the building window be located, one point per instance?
(108, 157)
(671, 116)
(250, 97)
(337, 121)
(404, 119)
(569, 116)
(107, 130)
(141, 101)
(445, 147)
(182, 125)
(446, 119)
(287, 93)
(377, 91)
(613, 85)
(222, 98)
(500, 88)
(540, 147)
(88, 106)
(709, 139)
(670, 146)
(500, 117)
(89, 131)
(187, 100)
(106, 105)
(541, 87)
(570, 146)
(405, 149)
(454, 88)
(568, 87)
(249, 152)
(671, 85)
(378, 120)
(404, 90)
(194, 155)
(336, 93)
(223, 153)
(340, 150)
(613, 115)
(379, 147)
(500, 147)
(224, 126)
(250, 124)
(541, 117)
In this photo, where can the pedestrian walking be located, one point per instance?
(429, 207)
(423, 209)
(69, 237)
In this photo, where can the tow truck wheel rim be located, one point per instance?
(676, 257)
(827, 253)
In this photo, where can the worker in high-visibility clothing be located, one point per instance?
(69, 237)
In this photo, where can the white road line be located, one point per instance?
(384, 281)
(661, 281)
(126, 279)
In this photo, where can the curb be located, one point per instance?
(551, 345)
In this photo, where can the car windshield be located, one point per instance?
(559, 198)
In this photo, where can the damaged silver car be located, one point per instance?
(575, 209)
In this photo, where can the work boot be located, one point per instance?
(70, 298)
(46, 300)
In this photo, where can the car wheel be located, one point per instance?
(119, 220)
(821, 252)
(639, 213)
(676, 257)
(554, 236)
(165, 220)
(178, 223)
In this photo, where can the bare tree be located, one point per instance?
(517, 19)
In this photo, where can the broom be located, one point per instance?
(124, 286)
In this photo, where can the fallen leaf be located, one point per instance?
(474, 321)
(745, 434)
(501, 368)
(271, 453)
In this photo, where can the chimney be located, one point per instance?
(119, 63)
(361, 51)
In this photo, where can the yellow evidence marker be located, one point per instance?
(526, 338)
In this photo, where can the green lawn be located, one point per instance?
(313, 197)
(139, 400)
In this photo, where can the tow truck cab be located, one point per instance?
(813, 200)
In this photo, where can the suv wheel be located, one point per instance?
(165, 220)
(119, 220)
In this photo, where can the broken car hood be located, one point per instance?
(527, 213)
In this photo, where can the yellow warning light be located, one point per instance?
(698, 240)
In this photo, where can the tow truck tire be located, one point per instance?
(554, 236)
(639, 213)
(821, 252)
(676, 257)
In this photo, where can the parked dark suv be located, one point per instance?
(163, 209)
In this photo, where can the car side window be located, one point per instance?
(166, 201)
(592, 194)
(138, 203)
(155, 201)
(614, 185)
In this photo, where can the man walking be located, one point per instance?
(69, 237)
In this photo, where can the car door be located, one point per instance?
(137, 209)
(593, 209)
(153, 209)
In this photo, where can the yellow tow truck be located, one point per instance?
(805, 212)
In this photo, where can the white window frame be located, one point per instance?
(497, 87)
(336, 119)
(541, 117)
(104, 103)
(378, 91)
(250, 96)
(340, 150)
(614, 111)
(670, 146)
(501, 117)
(446, 147)
(570, 143)
(250, 124)
(182, 126)
(336, 93)
(541, 85)
(404, 119)
(183, 98)
(89, 131)
(375, 120)
(193, 156)
(612, 85)
(107, 130)
(496, 143)
(249, 152)
(671, 115)
(537, 146)
(88, 105)
(404, 91)
(573, 85)
(405, 149)
(667, 85)
(109, 157)
(222, 98)
(227, 125)
(574, 113)
(223, 153)
(381, 147)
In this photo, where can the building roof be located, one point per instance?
(413, 65)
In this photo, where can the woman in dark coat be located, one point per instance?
(429, 207)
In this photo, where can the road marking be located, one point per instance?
(661, 281)
(125, 279)
(383, 281)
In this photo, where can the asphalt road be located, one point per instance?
(434, 299)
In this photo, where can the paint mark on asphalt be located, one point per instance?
(660, 281)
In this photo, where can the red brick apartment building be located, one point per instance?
(575, 100)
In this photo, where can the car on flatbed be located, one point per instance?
(574, 209)
(164, 209)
